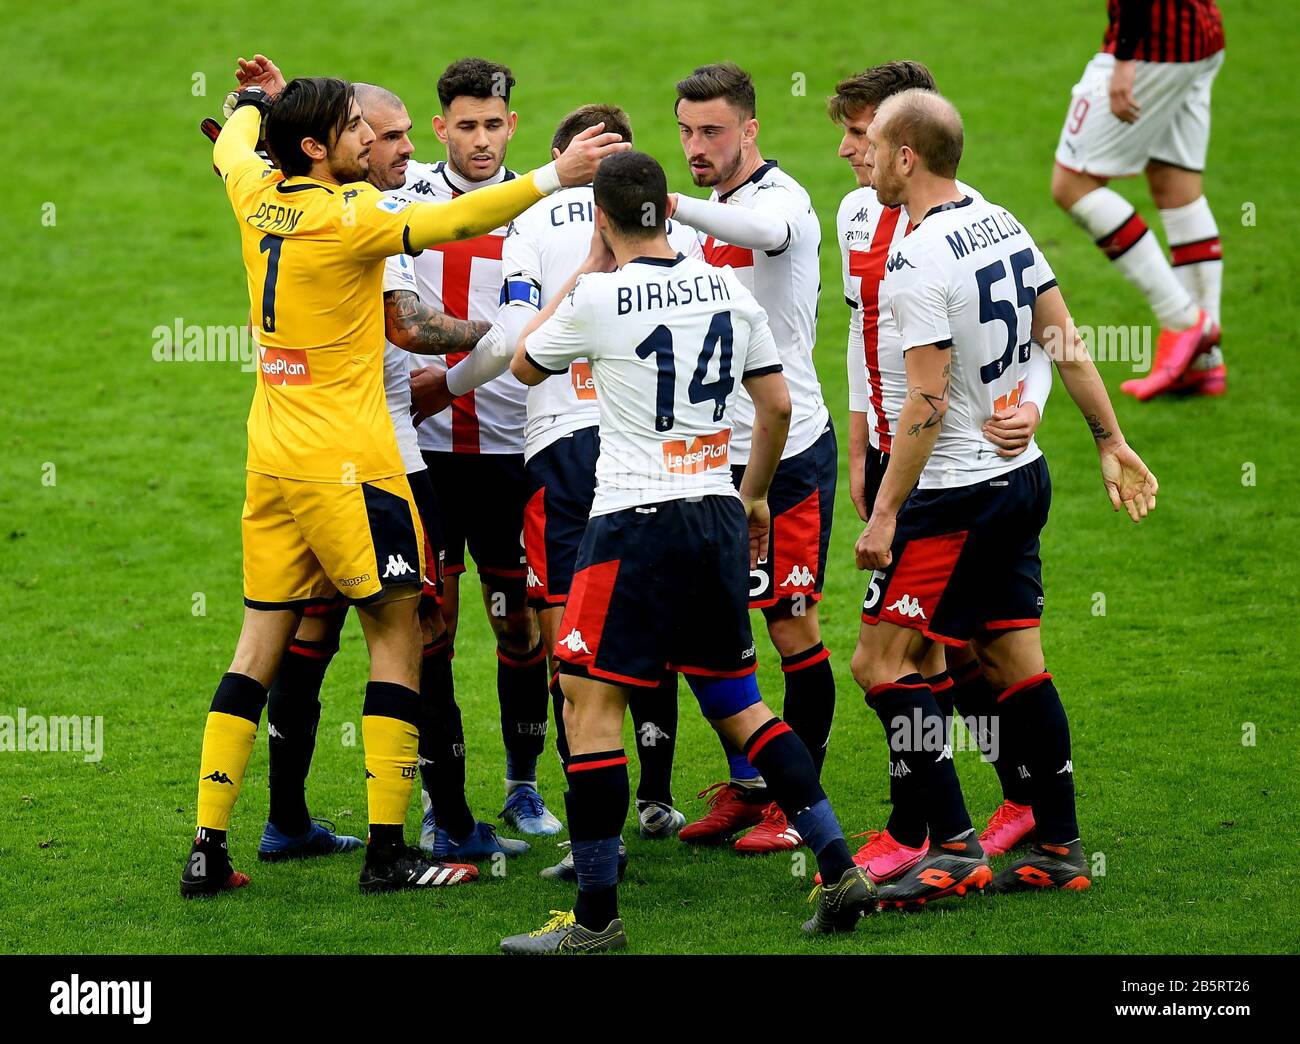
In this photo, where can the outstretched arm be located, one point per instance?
(1129, 482)
(741, 226)
(481, 211)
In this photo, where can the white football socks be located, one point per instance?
(1123, 236)
(1198, 261)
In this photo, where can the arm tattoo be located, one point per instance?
(1098, 429)
(421, 328)
(935, 401)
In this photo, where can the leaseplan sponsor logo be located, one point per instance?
(285, 366)
(91, 997)
(701, 454)
(584, 385)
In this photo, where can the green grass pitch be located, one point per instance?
(121, 482)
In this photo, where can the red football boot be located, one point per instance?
(730, 810)
(773, 834)
(1175, 350)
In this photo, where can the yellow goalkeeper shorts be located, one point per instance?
(307, 542)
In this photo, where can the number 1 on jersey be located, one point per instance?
(270, 246)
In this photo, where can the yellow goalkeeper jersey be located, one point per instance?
(314, 258)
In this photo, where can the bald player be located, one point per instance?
(953, 538)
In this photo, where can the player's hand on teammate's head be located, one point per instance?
(260, 72)
(672, 205)
(1129, 482)
(1122, 102)
(577, 164)
(760, 529)
(872, 550)
(1012, 429)
(429, 393)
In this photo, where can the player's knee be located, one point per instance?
(792, 631)
(1068, 186)
(864, 667)
(721, 698)
(517, 634)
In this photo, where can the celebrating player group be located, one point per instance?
(606, 393)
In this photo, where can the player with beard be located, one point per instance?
(474, 451)
(543, 248)
(869, 234)
(954, 533)
(327, 505)
(760, 222)
(293, 702)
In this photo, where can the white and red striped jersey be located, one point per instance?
(1163, 30)
(463, 279)
(786, 283)
(544, 246)
(869, 233)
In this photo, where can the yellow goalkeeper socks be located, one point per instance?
(392, 738)
(227, 742)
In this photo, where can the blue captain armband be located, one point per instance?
(522, 290)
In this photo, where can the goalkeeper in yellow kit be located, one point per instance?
(328, 508)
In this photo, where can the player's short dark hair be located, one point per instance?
(930, 125)
(614, 119)
(721, 80)
(872, 86)
(474, 78)
(632, 189)
(309, 107)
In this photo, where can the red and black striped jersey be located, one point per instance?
(1163, 30)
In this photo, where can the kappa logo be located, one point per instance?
(861, 215)
(800, 576)
(899, 769)
(897, 262)
(217, 776)
(1023, 770)
(533, 580)
(422, 187)
(273, 732)
(397, 566)
(1066, 769)
(907, 606)
(945, 754)
(574, 643)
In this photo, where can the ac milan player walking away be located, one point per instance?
(1143, 105)
(870, 234)
(953, 538)
(661, 570)
(543, 248)
(760, 222)
(474, 452)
